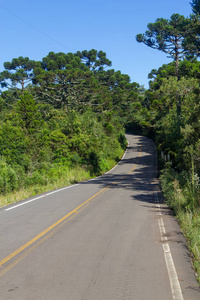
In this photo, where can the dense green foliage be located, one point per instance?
(167, 36)
(171, 115)
(65, 112)
(36, 139)
(68, 112)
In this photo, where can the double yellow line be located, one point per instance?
(54, 226)
(51, 230)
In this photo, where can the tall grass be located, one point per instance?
(182, 194)
(60, 178)
(54, 178)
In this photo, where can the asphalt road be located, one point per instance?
(107, 238)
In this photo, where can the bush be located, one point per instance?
(8, 177)
(94, 161)
(36, 179)
(122, 140)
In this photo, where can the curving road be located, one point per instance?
(107, 238)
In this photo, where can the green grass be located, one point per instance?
(190, 224)
(56, 178)
(182, 194)
(60, 179)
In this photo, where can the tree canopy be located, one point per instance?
(195, 7)
(167, 36)
(69, 111)
(18, 71)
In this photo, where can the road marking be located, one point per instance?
(36, 238)
(34, 246)
(44, 235)
(135, 165)
(64, 188)
(173, 278)
(39, 197)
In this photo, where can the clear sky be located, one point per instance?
(34, 28)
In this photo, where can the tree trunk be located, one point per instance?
(22, 83)
(177, 57)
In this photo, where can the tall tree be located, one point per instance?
(187, 69)
(192, 41)
(27, 110)
(18, 71)
(94, 60)
(195, 6)
(167, 36)
(70, 80)
(61, 61)
(69, 88)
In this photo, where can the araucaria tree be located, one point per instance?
(167, 36)
(195, 6)
(19, 71)
(192, 42)
(94, 60)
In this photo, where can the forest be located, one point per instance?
(63, 119)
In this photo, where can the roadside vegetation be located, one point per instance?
(63, 119)
(171, 115)
(39, 152)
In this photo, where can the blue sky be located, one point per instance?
(34, 28)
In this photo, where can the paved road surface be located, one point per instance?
(105, 239)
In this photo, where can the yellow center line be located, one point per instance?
(135, 165)
(78, 208)
(46, 233)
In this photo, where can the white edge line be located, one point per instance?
(45, 195)
(67, 187)
(173, 277)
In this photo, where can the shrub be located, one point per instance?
(8, 177)
(35, 179)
